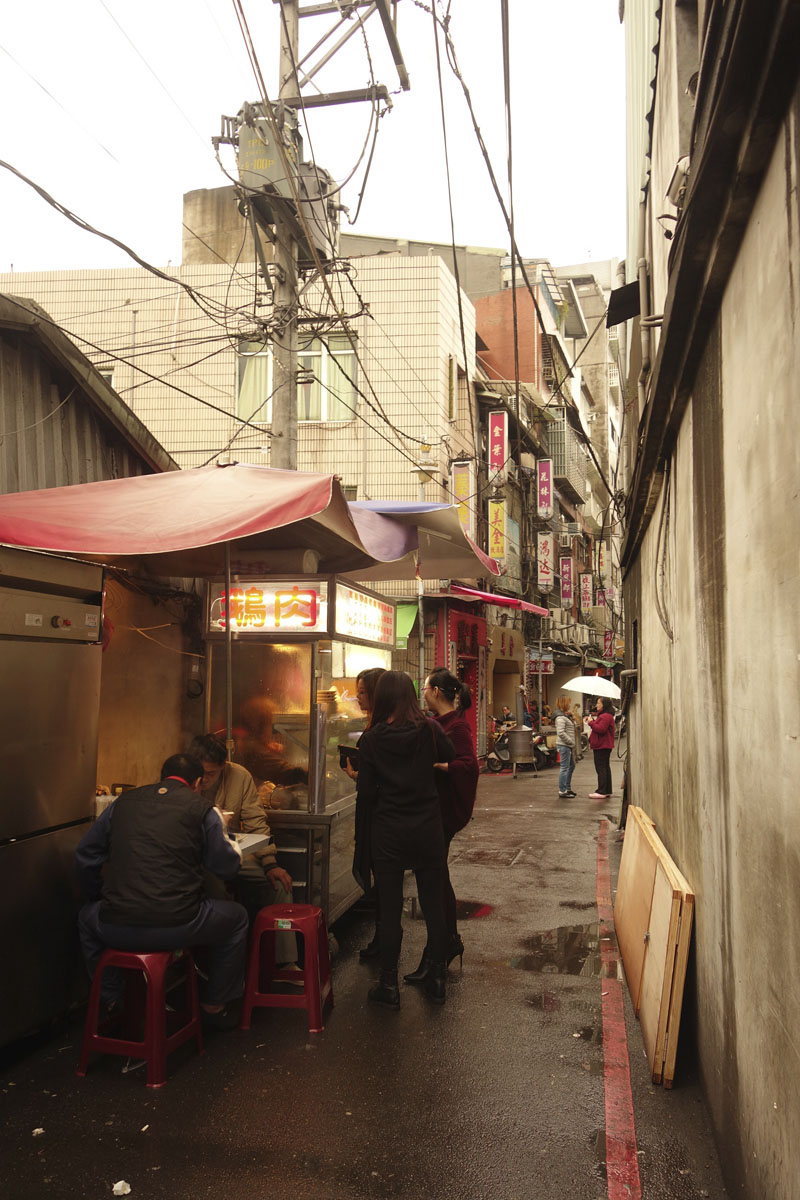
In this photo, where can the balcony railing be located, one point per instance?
(569, 460)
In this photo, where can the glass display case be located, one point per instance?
(296, 649)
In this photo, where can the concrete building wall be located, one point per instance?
(715, 726)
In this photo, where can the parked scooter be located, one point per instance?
(544, 755)
(499, 756)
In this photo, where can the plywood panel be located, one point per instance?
(678, 982)
(658, 968)
(633, 900)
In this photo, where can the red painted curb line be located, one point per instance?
(622, 1163)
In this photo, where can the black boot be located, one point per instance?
(372, 950)
(455, 950)
(385, 992)
(434, 983)
(421, 972)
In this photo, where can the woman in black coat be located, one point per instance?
(397, 785)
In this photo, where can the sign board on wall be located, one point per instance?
(566, 571)
(608, 644)
(544, 488)
(463, 486)
(586, 592)
(497, 529)
(545, 555)
(498, 444)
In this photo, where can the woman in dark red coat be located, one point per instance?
(601, 740)
(457, 781)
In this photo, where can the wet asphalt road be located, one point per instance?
(499, 1095)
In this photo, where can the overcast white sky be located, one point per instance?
(110, 106)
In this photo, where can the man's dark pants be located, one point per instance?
(220, 925)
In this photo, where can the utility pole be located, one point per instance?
(283, 451)
(295, 204)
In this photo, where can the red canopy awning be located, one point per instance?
(493, 598)
(178, 524)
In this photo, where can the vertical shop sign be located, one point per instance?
(498, 444)
(610, 596)
(602, 560)
(600, 598)
(497, 528)
(608, 644)
(544, 488)
(462, 489)
(586, 592)
(545, 553)
(566, 570)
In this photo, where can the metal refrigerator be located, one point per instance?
(50, 653)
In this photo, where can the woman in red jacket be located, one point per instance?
(457, 781)
(601, 740)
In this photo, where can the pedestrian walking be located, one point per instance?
(601, 740)
(448, 698)
(566, 736)
(396, 781)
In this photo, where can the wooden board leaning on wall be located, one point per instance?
(653, 916)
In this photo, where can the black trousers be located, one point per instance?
(389, 886)
(448, 895)
(602, 764)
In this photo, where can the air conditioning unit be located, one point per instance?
(557, 617)
(565, 542)
(583, 634)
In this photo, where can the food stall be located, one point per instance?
(298, 645)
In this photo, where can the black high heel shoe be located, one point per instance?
(456, 950)
(421, 973)
(435, 981)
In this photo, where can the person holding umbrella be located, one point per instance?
(601, 740)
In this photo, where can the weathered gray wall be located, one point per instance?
(715, 726)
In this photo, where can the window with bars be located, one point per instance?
(328, 392)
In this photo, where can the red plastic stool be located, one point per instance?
(157, 1044)
(308, 921)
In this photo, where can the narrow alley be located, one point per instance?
(499, 1095)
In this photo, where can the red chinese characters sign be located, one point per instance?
(270, 607)
(545, 553)
(498, 443)
(544, 488)
(586, 592)
(567, 568)
(608, 644)
(368, 618)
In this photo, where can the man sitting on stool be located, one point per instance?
(156, 842)
(260, 881)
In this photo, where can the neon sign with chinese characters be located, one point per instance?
(276, 606)
(368, 618)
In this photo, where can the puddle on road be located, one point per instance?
(580, 904)
(568, 950)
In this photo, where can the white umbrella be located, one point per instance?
(593, 685)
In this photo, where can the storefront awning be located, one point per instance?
(443, 550)
(495, 598)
